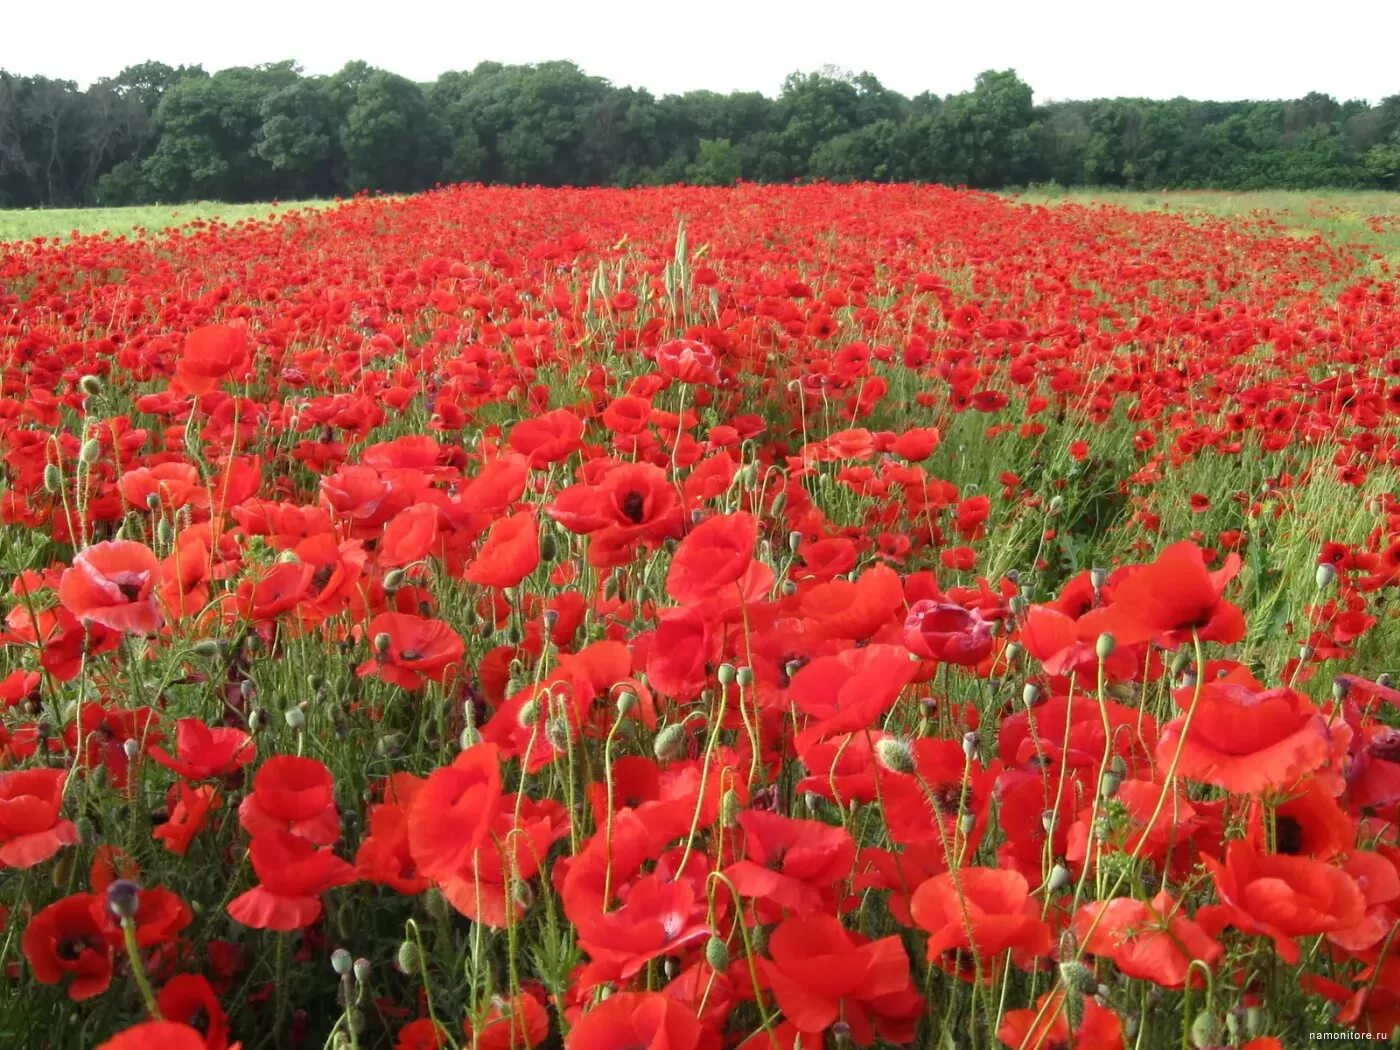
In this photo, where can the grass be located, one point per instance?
(27, 223)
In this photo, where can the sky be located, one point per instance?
(1065, 49)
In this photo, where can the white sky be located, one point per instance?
(1217, 49)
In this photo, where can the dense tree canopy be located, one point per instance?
(154, 133)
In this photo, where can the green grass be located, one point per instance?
(1361, 217)
(27, 223)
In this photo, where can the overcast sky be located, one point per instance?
(1217, 49)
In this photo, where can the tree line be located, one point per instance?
(155, 133)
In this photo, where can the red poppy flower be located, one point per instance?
(517, 1023)
(419, 649)
(30, 829)
(548, 438)
(1046, 1025)
(292, 794)
(975, 915)
(1281, 897)
(292, 874)
(210, 354)
(713, 556)
(688, 360)
(1153, 941)
(640, 1021)
(408, 536)
(511, 552)
(947, 632)
(791, 864)
(113, 584)
(1169, 600)
(203, 753)
(66, 939)
(168, 1035)
(451, 815)
(821, 973)
(1246, 740)
(189, 813)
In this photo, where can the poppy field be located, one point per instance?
(688, 618)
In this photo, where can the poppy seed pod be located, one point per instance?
(1326, 575)
(123, 898)
(90, 385)
(717, 954)
(969, 745)
(341, 962)
(726, 674)
(296, 719)
(626, 703)
(1103, 648)
(382, 643)
(362, 970)
(1030, 693)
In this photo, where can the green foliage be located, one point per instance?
(155, 132)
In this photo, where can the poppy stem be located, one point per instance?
(138, 970)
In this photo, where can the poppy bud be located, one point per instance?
(1058, 880)
(382, 643)
(90, 385)
(626, 703)
(394, 579)
(1013, 652)
(1109, 783)
(1057, 504)
(1384, 680)
(967, 822)
(669, 742)
(729, 808)
(895, 754)
(556, 731)
(717, 954)
(779, 504)
(1325, 576)
(407, 958)
(255, 720)
(152, 501)
(341, 962)
(549, 547)
(123, 898)
(208, 648)
(529, 713)
(794, 541)
(725, 674)
(471, 736)
(91, 449)
(53, 478)
(1206, 1030)
(131, 749)
(296, 719)
(745, 677)
(1078, 978)
(1047, 821)
(1305, 652)
(1017, 605)
(361, 970)
(788, 588)
(1103, 648)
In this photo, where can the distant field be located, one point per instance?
(1367, 217)
(26, 223)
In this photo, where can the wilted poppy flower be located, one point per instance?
(30, 828)
(419, 649)
(113, 584)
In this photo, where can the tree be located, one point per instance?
(717, 164)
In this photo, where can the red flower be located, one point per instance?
(640, 1021)
(66, 939)
(1169, 600)
(1281, 897)
(188, 999)
(976, 915)
(821, 973)
(418, 649)
(713, 556)
(1153, 941)
(947, 632)
(688, 360)
(792, 864)
(1046, 1026)
(511, 552)
(548, 438)
(292, 874)
(204, 752)
(30, 829)
(292, 794)
(210, 354)
(189, 813)
(113, 584)
(513, 1024)
(451, 815)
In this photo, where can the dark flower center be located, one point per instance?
(130, 591)
(633, 506)
(1288, 835)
